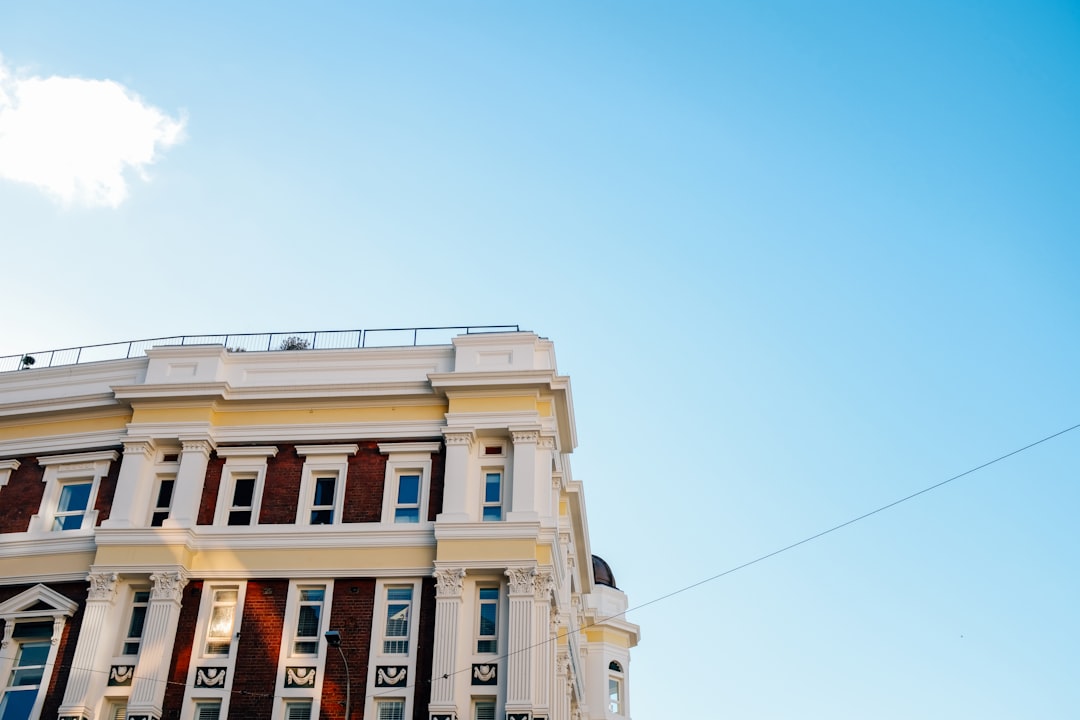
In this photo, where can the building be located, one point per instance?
(195, 532)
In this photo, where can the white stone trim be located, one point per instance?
(285, 656)
(321, 461)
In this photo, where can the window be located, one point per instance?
(299, 710)
(407, 507)
(492, 506)
(322, 507)
(308, 620)
(322, 483)
(398, 606)
(71, 509)
(115, 709)
(615, 684)
(241, 489)
(484, 710)
(487, 640)
(208, 710)
(71, 485)
(219, 629)
(31, 656)
(139, 605)
(34, 621)
(163, 501)
(242, 505)
(407, 481)
(390, 709)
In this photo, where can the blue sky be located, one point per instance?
(799, 260)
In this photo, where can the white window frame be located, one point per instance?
(197, 704)
(242, 463)
(484, 502)
(489, 700)
(155, 507)
(376, 655)
(298, 703)
(386, 701)
(201, 659)
(61, 470)
(618, 678)
(286, 657)
(17, 610)
(132, 604)
(478, 638)
(323, 461)
(407, 458)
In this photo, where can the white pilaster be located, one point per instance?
(187, 493)
(448, 602)
(133, 486)
(459, 444)
(560, 708)
(545, 448)
(155, 652)
(543, 644)
(86, 681)
(523, 504)
(519, 648)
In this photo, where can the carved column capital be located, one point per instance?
(544, 583)
(448, 582)
(139, 447)
(459, 437)
(102, 585)
(196, 446)
(522, 437)
(168, 585)
(522, 580)
(546, 442)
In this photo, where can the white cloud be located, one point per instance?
(78, 140)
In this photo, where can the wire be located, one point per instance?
(396, 692)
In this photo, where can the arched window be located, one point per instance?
(616, 701)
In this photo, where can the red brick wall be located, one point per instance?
(351, 612)
(66, 650)
(107, 490)
(211, 485)
(438, 472)
(364, 486)
(281, 489)
(258, 649)
(21, 497)
(181, 656)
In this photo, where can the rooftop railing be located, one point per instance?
(253, 342)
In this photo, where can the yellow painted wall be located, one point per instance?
(609, 636)
(332, 559)
(112, 419)
(511, 403)
(302, 416)
(42, 565)
(143, 555)
(501, 550)
(159, 414)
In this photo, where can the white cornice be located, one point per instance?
(58, 443)
(263, 451)
(409, 447)
(74, 458)
(66, 404)
(329, 431)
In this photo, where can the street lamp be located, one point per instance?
(333, 639)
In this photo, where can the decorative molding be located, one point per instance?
(546, 442)
(410, 447)
(6, 468)
(168, 585)
(448, 582)
(443, 716)
(121, 675)
(517, 716)
(299, 677)
(102, 585)
(525, 437)
(316, 450)
(134, 448)
(79, 461)
(485, 674)
(544, 584)
(459, 437)
(391, 675)
(210, 677)
(522, 580)
(195, 446)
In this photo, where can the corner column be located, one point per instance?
(519, 699)
(187, 494)
(155, 653)
(459, 445)
(448, 603)
(92, 650)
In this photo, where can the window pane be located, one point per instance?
(487, 619)
(308, 624)
(312, 594)
(322, 517)
(240, 517)
(164, 496)
(17, 704)
(407, 515)
(243, 492)
(492, 487)
(391, 710)
(485, 710)
(138, 619)
(493, 513)
(74, 497)
(408, 489)
(207, 711)
(298, 711)
(324, 491)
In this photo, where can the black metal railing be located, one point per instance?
(253, 342)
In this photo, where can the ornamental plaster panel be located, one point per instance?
(448, 582)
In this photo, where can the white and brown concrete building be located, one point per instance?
(179, 531)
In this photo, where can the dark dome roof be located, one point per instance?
(602, 572)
